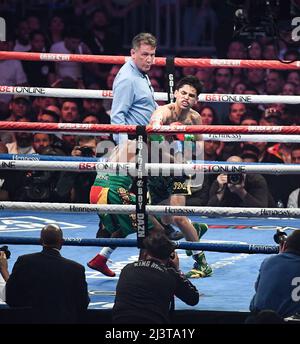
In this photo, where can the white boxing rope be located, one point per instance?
(159, 96)
(155, 169)
(248, 98)
(67, 92)
(251, 138)
(152, 209)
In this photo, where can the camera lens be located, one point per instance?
(235, 178)
(280, 237)
(86, 151)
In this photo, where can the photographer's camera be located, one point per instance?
(280, 237)
(6, 251)
(235, 178)
(86, 151)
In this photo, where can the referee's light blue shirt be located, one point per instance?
(133, 101)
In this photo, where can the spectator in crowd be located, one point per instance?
(205, 76)
(68, 142)
(294, 77)
(236, 50)
(111, 76)
(223, 77)
(99, 38)
(239, 190)
(23, 141)
(256, 79)
(34, 23)
(90, 119)
(271, 117)
(208, 115)
(236, 111)
(291, 55)
(75, 187)
(95, 107)
(239, 88)
(49, 116)
(204, 19)
(274, 82)
(211, 149)
(289, 89)
(276, 285)
(270, 52)
(107, 103)
(4, 275)
(71, 44)
(222, 84)
(6, 178)
(54, 108)
(11, 71)
(54, 287)
(70, 111)
(22, 32)
(133, 101)
(39, 104)
(19, 106)
(146, 288)
(255, 51)
(38, 73)
(56, 29)
(294, 196)
(40, 141)
(248, 119)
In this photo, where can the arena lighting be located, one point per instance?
(254, 18)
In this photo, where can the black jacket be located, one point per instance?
(145, 291)
(257, 194)
(54, 287)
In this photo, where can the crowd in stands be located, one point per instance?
(90, 29)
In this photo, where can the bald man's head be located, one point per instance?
(235, 158)
(293, 241)
(52, 236)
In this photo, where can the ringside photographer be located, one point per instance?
(4, 274)
(239, 190)
(146, 288)
(277, 285)
(75, 187)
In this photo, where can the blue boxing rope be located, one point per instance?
(204, 246)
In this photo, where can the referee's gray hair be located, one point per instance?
(144, 38)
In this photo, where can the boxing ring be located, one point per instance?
(231, 286)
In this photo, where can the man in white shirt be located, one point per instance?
(11, 72)
(72, 44)
(4, 274)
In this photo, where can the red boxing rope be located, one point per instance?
(163, 129)
(159, 61)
